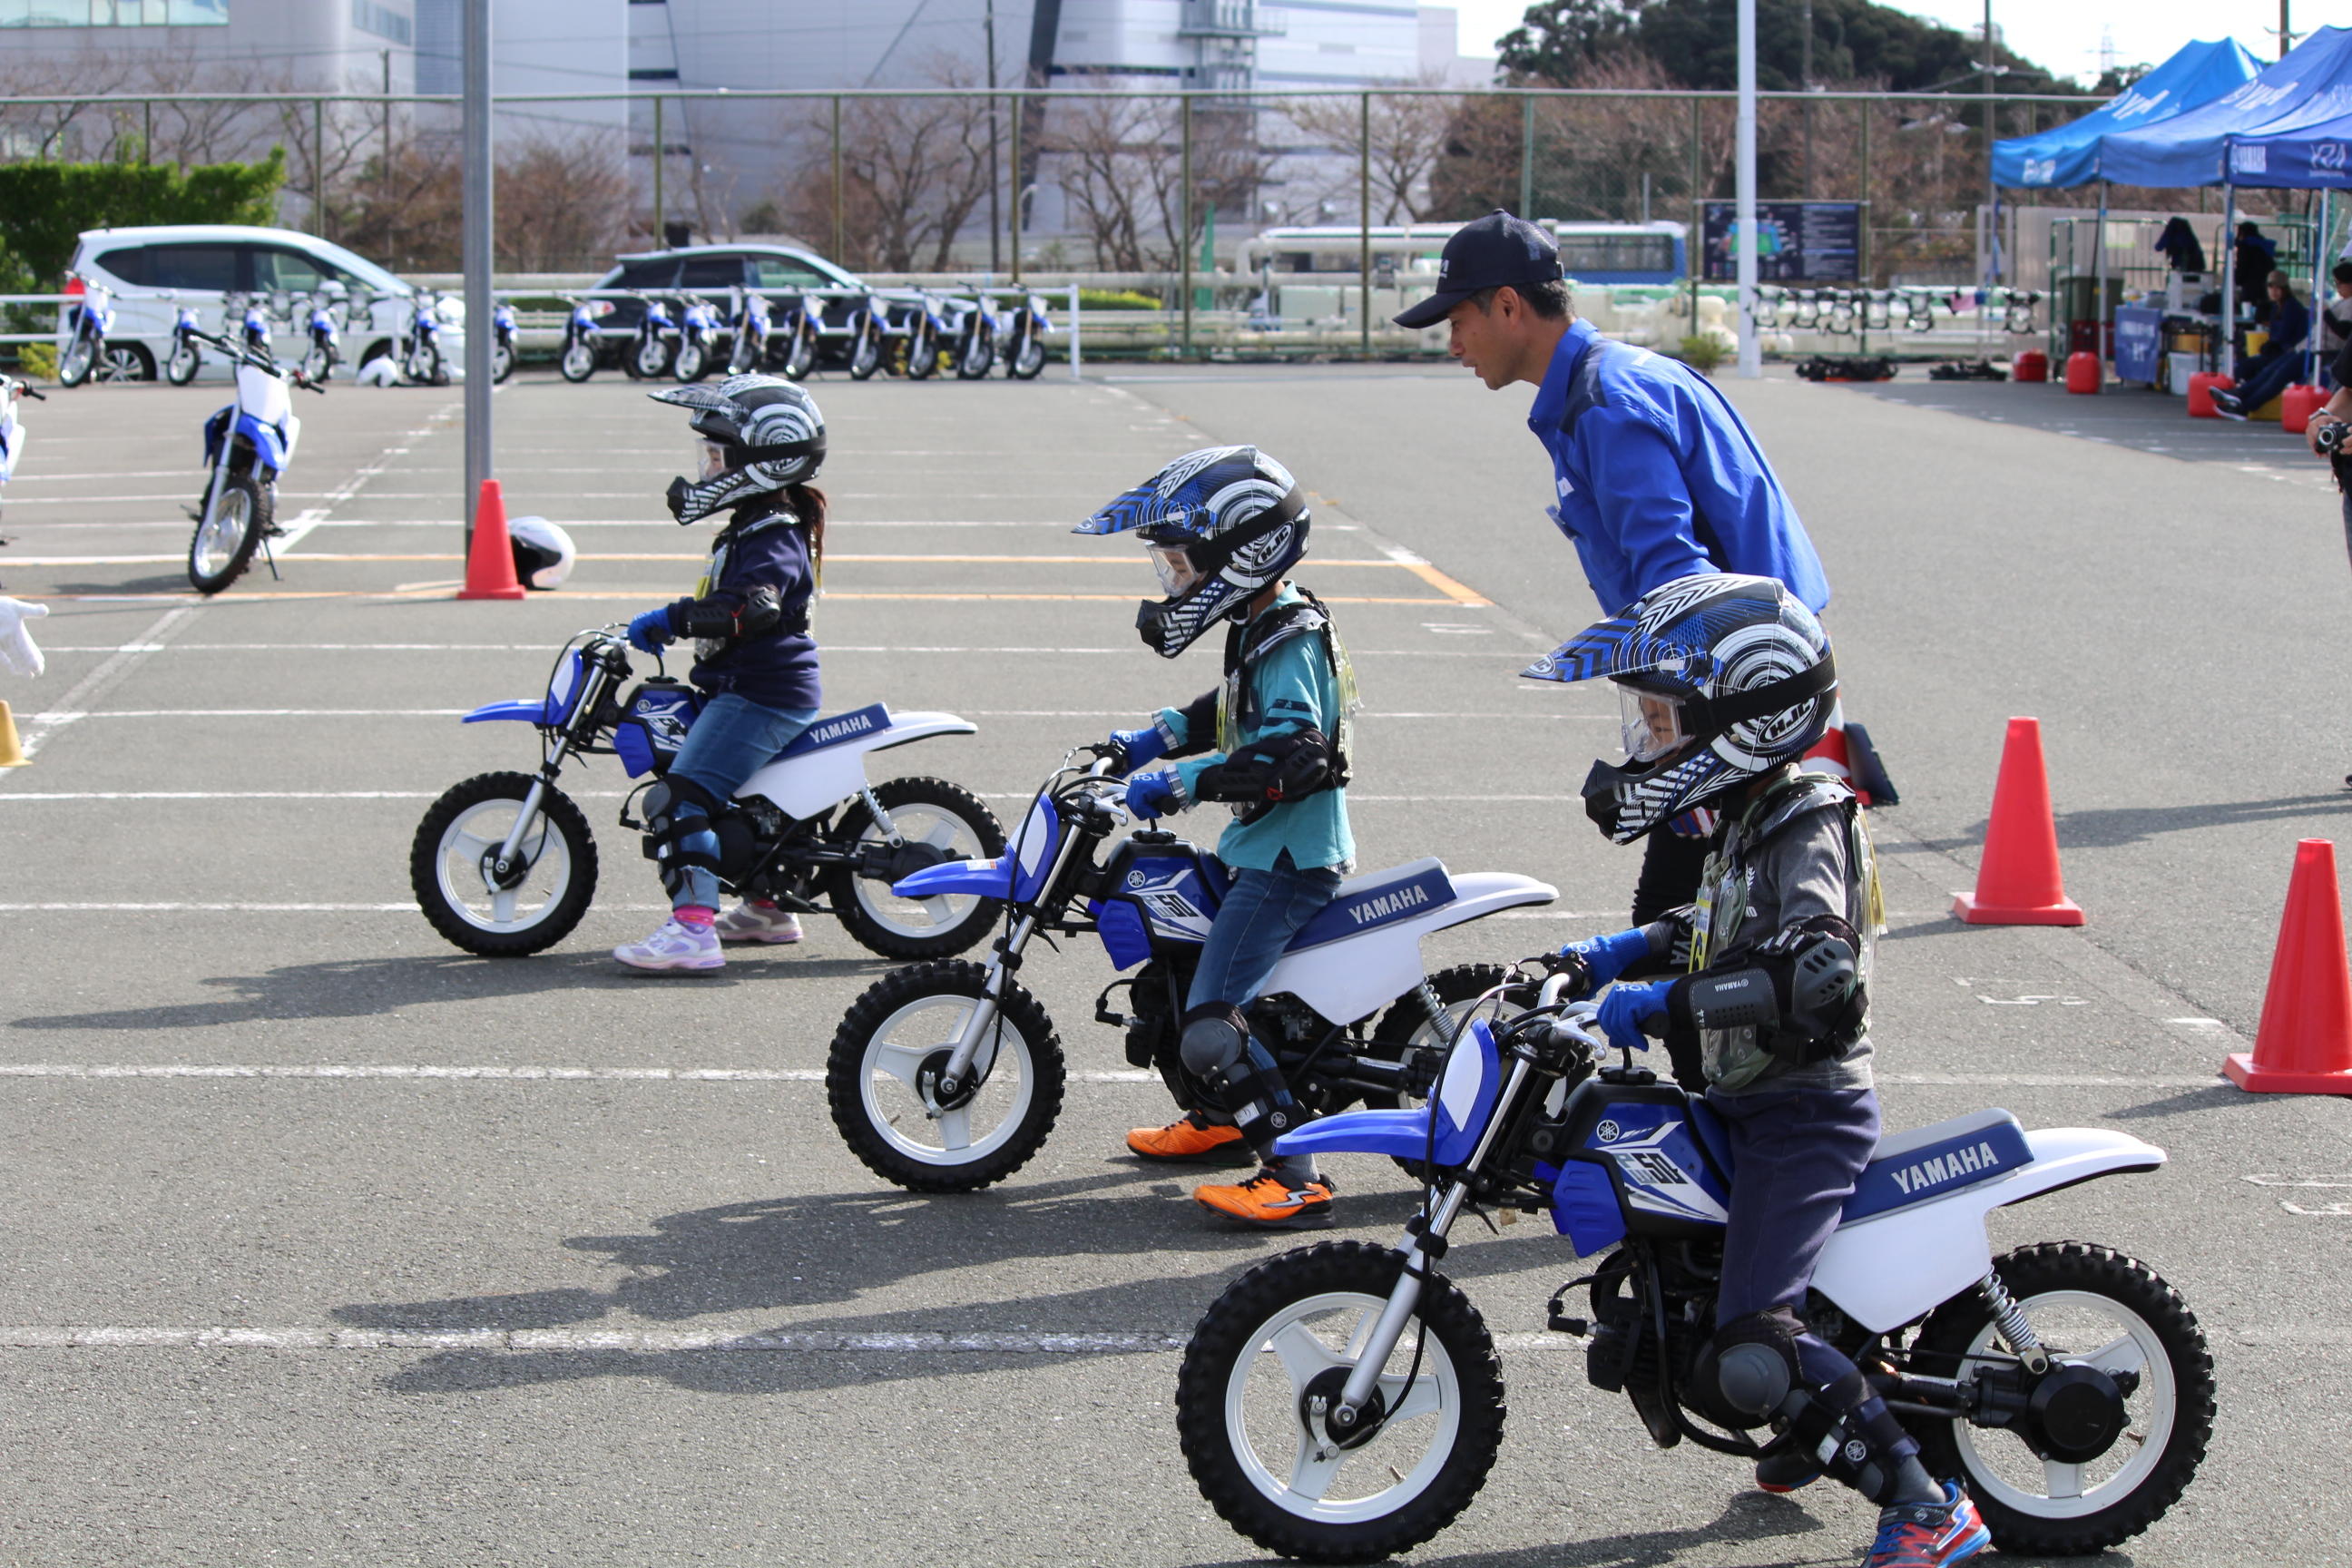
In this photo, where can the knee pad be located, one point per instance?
(1857, 1439)
(678, 836)
(1756, 1362)
(1218, 1048)
(1214, 1035)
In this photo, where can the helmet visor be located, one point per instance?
(1173, 562)
(713, 461)
(1651, 723)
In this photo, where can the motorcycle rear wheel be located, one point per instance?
(898, 1036)
(1282, 1334)
(2090, 1304)
(463, 829)
(223, 542)
(579, 360)
(949, 819)
(650, 360)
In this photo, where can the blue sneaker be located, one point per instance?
(1928, 1534)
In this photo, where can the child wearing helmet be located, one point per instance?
(761, 441)
(1222, 526)
(1724, 682)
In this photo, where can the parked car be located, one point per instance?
(711, 270)
(154, 270)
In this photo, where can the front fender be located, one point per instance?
(987, 878)
(1465, 1099)
(528, 709)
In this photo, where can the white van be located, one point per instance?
(154, 271)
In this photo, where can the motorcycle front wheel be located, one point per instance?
(743, 355)
(803, 359)
(425, 365)
(223, 542)
(881, 1075)
(2092, 1306)
(693, 361)
(1272, 1354)
(979, 354)
(180, 365)
(1027, 360)
(502, 361)
(537, 904)
(650, 359)
(865, 354)
(579, 360)
(922, 353)
(75, 364)
(930, 814)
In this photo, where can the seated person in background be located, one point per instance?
(2257, 258)
(2273, 370)
(2335, 323)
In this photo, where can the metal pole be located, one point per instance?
(2320, 289)
(1527, 155)
(1364, 220)
(2229, 363)
(996, 171)
(1993, 194)
(840, 230)
(2099, 277)
(1864, 261)
(1696, 245)
(318, 166)
(660, 157)
(1751, 353)
(1805, 80)
(147, 132)
(480, 230)
(1078, 372)
(1019, 108)
(1184, 215)
(2286, 33)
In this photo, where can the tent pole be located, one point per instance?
(2229, 365)
(2320, 286)
(2099, 277)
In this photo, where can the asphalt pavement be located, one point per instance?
(333, 1245)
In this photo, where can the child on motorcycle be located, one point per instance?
(1724, 682)
(762, 440)
(1223, 525)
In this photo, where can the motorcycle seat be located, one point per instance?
(1364, 903)
(1934, 1160)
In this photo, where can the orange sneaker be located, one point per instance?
(1268, 1202)
(1190, 1138)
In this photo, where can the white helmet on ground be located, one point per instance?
(543, 552)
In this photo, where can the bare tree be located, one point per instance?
(563, 201)
(1121, 164)
(914, 171)
(1409, 135)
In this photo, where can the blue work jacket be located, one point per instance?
(1657, 478)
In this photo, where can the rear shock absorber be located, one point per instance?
(2010, 1319)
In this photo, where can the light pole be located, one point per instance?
(1992, 193)
(478, 233)
(1751, 353)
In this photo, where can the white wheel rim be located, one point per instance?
(914, 919)
(895, 1109)
(183, 361)
(223, 530)
(1287, 1463)
(2000, 1466)
(576, 358)
(458, 868)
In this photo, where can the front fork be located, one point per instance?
(503, 865)
(1424, 1243)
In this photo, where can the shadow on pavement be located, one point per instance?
(368, 987)
(1748, 1517)
(2135, 825)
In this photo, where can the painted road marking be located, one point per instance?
(66, 715)
(408, 591)
(37, 729)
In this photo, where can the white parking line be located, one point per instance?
(541, 648)
(64, 715)
(637, 1341)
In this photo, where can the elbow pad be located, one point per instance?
(760, 611)
(1200, 726)
(1801, 992)
(1263, 773)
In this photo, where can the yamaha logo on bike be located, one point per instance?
(1137, 878)
(1608, 1131)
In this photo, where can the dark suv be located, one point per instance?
(711, 270)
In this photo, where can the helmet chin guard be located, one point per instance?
(1237, 517)
(1734, 671)
(770, 431)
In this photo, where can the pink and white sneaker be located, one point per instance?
(677, 946)
(750, 921)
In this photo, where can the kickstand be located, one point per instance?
(270, 556)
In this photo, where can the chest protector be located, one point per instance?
(1256, 776)
(763, 611)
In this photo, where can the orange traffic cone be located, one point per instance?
(2018, 882)
(2305, 1043)
(12, 749)
(489, 566)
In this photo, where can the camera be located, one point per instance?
(2331, 437)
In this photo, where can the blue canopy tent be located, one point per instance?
(2068, 155)
(2311, 85)
(2316, 157)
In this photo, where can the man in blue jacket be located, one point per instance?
(1655, 475)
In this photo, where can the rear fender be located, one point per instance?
(1353, 976)
(826, 765)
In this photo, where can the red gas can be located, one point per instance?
(2201, 387)
(2296, 405)
(2084, 372)
(2032, 364)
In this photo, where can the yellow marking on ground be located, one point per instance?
(1461, 593)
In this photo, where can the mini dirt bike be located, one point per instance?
(578, 360)
(697, 333)
(12, 432)
(1023, 337)
(247, 445)
(420, 341)
(502, 342)
(1344, 1402)
(84, 355)
(921, 340)
(503, 864)
(656, 347)
(868, 332)
(796, 329)
(972, 336)
(748, 328)
(948, 1076)
(325, 350)
(185, 358)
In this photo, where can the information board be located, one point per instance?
(1797, 242)
(2138, 331)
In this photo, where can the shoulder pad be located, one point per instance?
(759, 525)
(1278, 627)
(1803, 795)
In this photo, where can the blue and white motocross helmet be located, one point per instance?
(1720, 678)
(1223, 525)
(759, 433)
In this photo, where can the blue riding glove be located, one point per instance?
(1605, 958)
(1137, 747)
(650, 631)
(1152, 795)
(1627, 1007)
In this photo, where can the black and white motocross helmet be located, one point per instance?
(1719, 677)
(543, 552)
(1222, 524)
(759, 433)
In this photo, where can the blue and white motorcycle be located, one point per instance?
(1344, 1402)
(698, 336)
(247, 444)
(421, 359)
(1022, 334)
(577, 361)
(183, 359)
(749, 327)
(655, 346)
(324, 326)
(503, 328)
(869, 335)
(82, 353)
(504, 865)
(948, 1076)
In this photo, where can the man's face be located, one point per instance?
(1489, 342)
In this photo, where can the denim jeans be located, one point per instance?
(733, 738)
(1260, 914)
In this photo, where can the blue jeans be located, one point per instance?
(1259, 916)
(2264, 379)
(733, 738)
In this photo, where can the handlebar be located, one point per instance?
(24, 389)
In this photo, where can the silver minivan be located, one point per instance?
(154, 271)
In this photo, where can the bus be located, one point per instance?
(1591, 253)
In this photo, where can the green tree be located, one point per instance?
(45, 207)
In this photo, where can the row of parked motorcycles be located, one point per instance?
(914, 333)
(1849, 311)
(1344, 1402)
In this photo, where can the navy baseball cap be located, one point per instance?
(1487, 253)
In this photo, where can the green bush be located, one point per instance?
(44, 207)
(36, 362)
(1114, 299)
(1701, 353)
